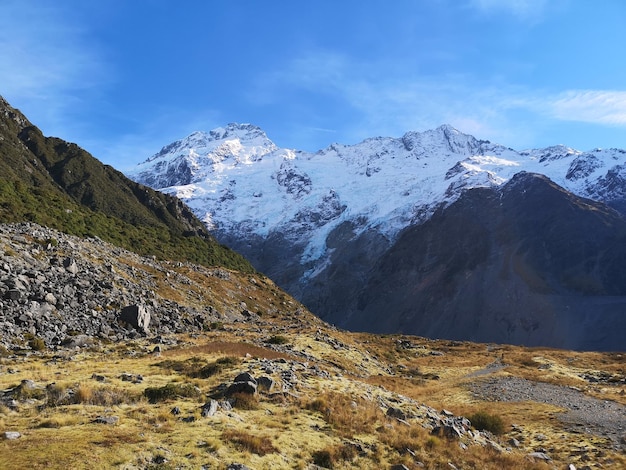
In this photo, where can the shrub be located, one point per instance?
(347, 415)
(277, 339)
(484, 421)
(214, 368)
(170, 392)
(245, 401)
(323, 458)
(330, 456)
(37, 344)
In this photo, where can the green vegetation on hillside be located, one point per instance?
(57, 184)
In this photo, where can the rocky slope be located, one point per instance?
(322, 225)
(61, 289)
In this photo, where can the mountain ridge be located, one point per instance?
(52, 182)
(317, 223)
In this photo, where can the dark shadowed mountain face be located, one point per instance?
(528, 264)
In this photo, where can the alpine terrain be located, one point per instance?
(131, 339)
(435, 233)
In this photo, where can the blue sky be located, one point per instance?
(123, 78)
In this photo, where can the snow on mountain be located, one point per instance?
(237, 180)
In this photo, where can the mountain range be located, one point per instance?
(435, 233)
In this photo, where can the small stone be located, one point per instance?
(539, 456)
(106, 420)
(237, 466)
(11, 435)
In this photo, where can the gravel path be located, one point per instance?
(584, 414)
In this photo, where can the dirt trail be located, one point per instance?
(603, 418)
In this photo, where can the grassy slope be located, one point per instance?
(54, 183)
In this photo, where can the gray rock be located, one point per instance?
(249, 388)
(70, 266)
(210, 408)
(266, 383)
(514, 443)
(539, 456)
(245, 377)
(11, 435)
(136, 316)
(396, 413)
(237, 466)
(13, 294)
(106, 420)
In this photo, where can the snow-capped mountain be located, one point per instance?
(304, 218)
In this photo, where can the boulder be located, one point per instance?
(11, 435)
(245, 377)
(266, 383)
(242, 387)
(210, 408)
(137, 316)
(70, 266)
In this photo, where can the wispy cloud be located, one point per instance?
(390, 105)
(592, 106)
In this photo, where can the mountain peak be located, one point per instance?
(242, 131)
(13, 114)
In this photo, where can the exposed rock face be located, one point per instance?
(531, 264)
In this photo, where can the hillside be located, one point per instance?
(57, 184)
(230, 372)
(111, 359)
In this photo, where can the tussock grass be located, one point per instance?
(348, 415)
(332, 418)
(260, 445)
(171, 391)
(245, 401)
(484, 421)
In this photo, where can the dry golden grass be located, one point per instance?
(260, 445)
(335, 418)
